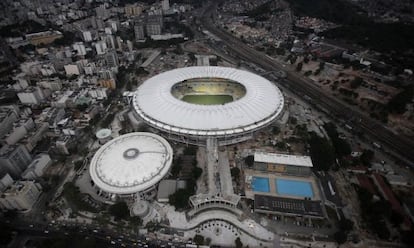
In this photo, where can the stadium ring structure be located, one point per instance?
(256, 103)
(130, 164)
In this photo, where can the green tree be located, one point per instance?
(299, 66)
(366, 157)
(399, 102)
(196, 172)
(356, 82)
(340, 237)
(322, 153)
(235, 172)
(119, 210)
(198, 239)
(249, 160)
(238, 243)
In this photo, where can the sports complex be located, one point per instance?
(195, 103)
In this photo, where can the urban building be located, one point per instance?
(37, 167)
(139, 32)
(21, 196)
(131, 165)
(14, 160)
(8, 115)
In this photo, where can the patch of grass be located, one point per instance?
(207, 99)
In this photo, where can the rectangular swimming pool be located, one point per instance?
(294, 188)
(260, 184)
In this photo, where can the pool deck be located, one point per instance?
(272, 184)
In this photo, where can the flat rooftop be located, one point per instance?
(287, 205)
(284, 159)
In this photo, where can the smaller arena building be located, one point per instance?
(131, 165)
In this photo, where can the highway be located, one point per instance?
(401, 146)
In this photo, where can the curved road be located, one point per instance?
(301, 86)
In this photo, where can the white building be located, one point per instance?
(37, 167)
(20, 196)
(165, 5)
(8, 115)
(100, 47)
(5, 182)
(80, 48)
(87, 36)
(14, 159)
(52, 84)
(131, 165)
(72, 69)
(20, 129)
(32, 95)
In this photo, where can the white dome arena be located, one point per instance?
(131, 163)
(257, 102)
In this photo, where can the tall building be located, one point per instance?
(100, 47)
(154, 25)
(14, 160)
(102, 12)
(111, 59)
(133, 10)
(165, 5)
(139, 32)
(21, 196)
(87, 36)
(8, 115)
(153, 28)
(80, 48)
(32, 95)
(72, 69)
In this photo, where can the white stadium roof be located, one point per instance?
(131, 163)
(283, 159)
(262, 103)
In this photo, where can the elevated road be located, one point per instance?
(402, 146)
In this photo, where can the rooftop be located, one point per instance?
(285, 159)
(131, 163)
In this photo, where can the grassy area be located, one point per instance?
(208, 99)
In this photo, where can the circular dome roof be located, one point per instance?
(103, 133)
(155, 104)
(131, 163)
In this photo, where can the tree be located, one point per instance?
(321, 151)
(275, 130)
(249, 160)
(399, 102)
(238, 243)
(136, 220)
(356, 82)
(366, 157)
(235, 172)
(346, 225)
(119, 210)
(196, 172)
(299, 66)
(198, 239)
(341, 237)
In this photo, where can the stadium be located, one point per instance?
(130, 165)
(195, 103)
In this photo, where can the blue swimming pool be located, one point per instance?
(294, 188)
(260, 184)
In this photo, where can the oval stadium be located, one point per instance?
(194, 103)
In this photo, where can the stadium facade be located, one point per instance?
(185, 104)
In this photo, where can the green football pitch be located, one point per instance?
(207, 99)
